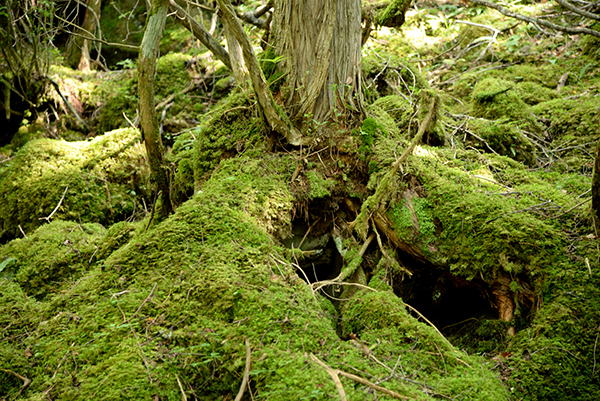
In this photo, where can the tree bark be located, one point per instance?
(149, 51)
(320, 42)
(596, 191)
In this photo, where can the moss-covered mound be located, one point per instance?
(496, 98)
(168, 314)
(101, 181)
(487, 225)
(57, 252)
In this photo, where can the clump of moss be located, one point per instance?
(57, 252)
(96, 181)
(178, 302)
(503, 138)
(232, 128)
(495, 98)
(383, 324)
(533, 93)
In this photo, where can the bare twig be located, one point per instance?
(536, 21)
(334, 376)
(579, 11)
(335, 373)
(246, 377)
(57, 206)
(25, 380)
(23, 232)
(183, 396)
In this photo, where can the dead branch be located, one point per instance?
(246, 371)
(579, 11)
(334, 376)
(335, 373)
(25, 380)
(200, 33)
(536, 21)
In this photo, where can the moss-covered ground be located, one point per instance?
(468, 271)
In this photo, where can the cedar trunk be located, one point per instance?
(320, 43)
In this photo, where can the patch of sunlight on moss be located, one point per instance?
(424, 152)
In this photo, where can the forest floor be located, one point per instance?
(471, 270)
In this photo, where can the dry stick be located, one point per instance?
(321, 284)
(26, 381)
(143, 303)
(57, 206)
(23, 232)
(183, 396)
(579, 11)
(335, 373)
(535, 21)
(567, 211)
(334, 376)
(431, 324)
(246, 371)
(191, 86)
(142, 354)
(595, 344)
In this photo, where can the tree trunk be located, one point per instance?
(149, 51)
(596, 191)
(320, 42)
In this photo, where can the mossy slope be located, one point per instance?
(101, 181)
(175, 304)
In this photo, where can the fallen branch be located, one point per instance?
(335, 373)
(536, 21)
(334, 376)
(579, 11)
(246, 371)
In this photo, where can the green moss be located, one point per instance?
(319, 187)
(383, 323)
(494, 99)
(231, 128)
(56, 252)
(503, 138)
(100, 179)
(533, 93)
(393, 14)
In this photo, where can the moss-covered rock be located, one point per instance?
(93, 181)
